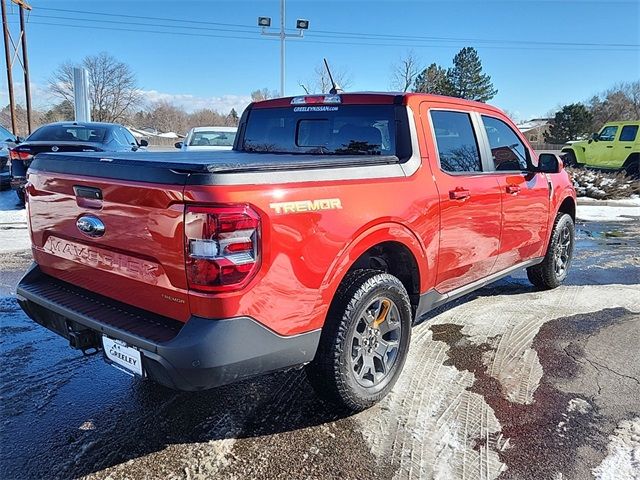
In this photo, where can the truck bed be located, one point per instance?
(178, 167)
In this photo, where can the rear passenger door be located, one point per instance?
(470, 211)
(525, 194)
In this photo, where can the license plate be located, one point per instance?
(122, 355)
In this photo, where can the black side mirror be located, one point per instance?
(594, 137)
(549, 163)
(143, 142)
(178, 144)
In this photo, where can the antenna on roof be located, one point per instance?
(335, 88)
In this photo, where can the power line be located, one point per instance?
(311, 40)
(329, 33)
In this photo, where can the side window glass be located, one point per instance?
(128, 137)
(608, 134)
(629, 133)
(456, 141)
(117, 137)
(507, 150)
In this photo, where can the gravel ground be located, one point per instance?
(507, 382)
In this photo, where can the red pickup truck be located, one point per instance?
(335, 222)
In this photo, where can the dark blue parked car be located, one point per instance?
(68, 137)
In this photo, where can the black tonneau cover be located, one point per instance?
(178, 167)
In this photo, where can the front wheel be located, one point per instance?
(364, 342)
(569, 159)
(554, 268)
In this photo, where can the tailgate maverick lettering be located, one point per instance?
(102, 259)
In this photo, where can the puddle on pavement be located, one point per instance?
(540, 440)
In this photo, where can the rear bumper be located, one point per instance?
(199, 354)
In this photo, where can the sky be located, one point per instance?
(210, 54)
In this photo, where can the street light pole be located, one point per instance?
(301, 25)
(283, 36)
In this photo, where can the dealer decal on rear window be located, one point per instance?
(316, 109)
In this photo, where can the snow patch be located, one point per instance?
(623, 459)
(578, 405)
(14, 235)
(607, 213)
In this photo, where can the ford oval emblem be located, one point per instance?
(90, 226)
(54, 149)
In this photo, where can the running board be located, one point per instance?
(433, 299)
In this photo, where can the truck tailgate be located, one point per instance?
(138, 259)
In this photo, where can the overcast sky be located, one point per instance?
(540, 54)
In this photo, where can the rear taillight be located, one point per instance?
(222, 247)
(18, 155)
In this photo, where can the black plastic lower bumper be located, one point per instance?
(199, 354)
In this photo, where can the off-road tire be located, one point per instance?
(331, 373)
(569, 159)
(632, 168)
(545, 275)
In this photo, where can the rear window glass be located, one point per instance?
(70, 133)
(456, 141)
(324, 130)
(212, 138)
(628, 133)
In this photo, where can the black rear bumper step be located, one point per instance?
(196, 355)
(97, 312)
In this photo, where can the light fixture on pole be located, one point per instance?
(301, 25)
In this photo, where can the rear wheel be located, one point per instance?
(554, 268)
(632, 168)
(364, 342)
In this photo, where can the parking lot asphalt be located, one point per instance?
(508, 382)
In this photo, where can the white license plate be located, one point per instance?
(122, 355)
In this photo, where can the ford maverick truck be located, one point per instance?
(335, 222)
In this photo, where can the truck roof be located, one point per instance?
(378, 98)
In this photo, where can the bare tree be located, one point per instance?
(113, 90)
(404, 73)
(618, 103)
(263, 94)
(166, 117)
(321, 83)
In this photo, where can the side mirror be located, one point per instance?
(594, 137)
(178, 144)
(549, 163)
(19, 139)
(143, 142)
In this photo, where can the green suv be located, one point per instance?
(617, 146)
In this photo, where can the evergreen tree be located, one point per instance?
(433, 79)
(232, 118)
(466, 77)
(571, 122)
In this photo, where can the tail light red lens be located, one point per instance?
(18, 155)
(222, 247)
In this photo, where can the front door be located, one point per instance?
(599, 152)
(525, 196)
(470, 210)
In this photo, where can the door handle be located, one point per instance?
(459, 193)
(609, 146)
(514, 189)
(628, 146)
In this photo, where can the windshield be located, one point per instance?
(68, 133)
(212, 138)
(323, 130)
(6, 135)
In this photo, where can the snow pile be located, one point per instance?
(602, 185)
(623, 459)
(609, 211)
(14, 235)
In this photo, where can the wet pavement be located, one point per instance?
(507, 382)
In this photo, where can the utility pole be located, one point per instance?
(301, 25)
(12, 53)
